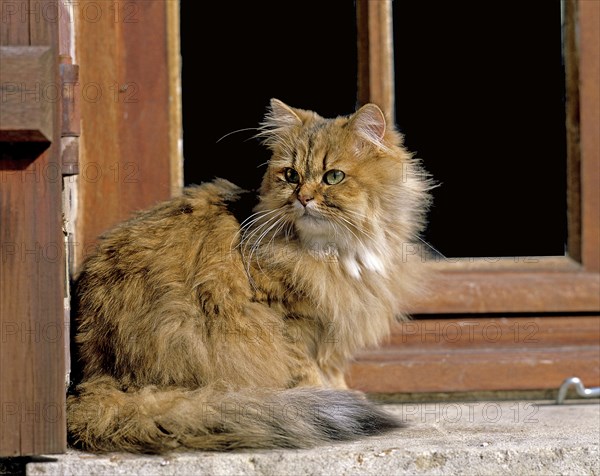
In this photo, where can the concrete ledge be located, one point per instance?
(478, 438)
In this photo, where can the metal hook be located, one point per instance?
(581, 390)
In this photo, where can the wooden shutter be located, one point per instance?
(32, 365)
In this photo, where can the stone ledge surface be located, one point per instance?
(478, 438)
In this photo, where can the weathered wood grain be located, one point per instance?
(125, 146)
(32, 364)
(470, 354)
(28, 93)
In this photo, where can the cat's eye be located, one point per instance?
(333, 177)
(291, 175)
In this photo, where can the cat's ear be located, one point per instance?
(369, 123)
(281, 116)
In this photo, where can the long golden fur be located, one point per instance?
(198, 331)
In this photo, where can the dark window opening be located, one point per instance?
(480, 98)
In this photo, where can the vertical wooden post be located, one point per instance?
(174, 93)
(130, 150)
(32, 369)
(375, 54)
(571, 59)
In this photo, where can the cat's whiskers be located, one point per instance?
(284, 223)
(365, 228)
(257, 244)
(245, 222)
(246, 226)
(251, 231)
(249, 236)
(357, 214)
(361, 217)
(235, 132)
(289, 230)
(352, 225)
(257, 216)
(265, 217)
(345, 226)
(245, 241)
(335, 216)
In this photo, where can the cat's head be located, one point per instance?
(346, 182)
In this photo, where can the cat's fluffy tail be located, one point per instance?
(103, 417)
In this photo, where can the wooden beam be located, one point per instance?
(465, 354)
(571, 62)
(510, 291)
(175, 97)
(375, 54)
(28, 94)
(127, 145)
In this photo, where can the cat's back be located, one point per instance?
(199, 217)
(169, 246)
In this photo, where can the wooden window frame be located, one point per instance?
(131, 153)
(504, 294)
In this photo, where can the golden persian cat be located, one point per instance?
(199, 330)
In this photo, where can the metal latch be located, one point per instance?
(581, 390)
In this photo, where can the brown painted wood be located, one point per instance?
(364, 64)
(482, 354)
(375, 54)
(467, 332)
(516, 291)
(32, 367)
(125, 153)
(571, 61)
(589, 23)
(28, 93)
(15, 24)
(462, 371)
(175, 98)
(144, 94)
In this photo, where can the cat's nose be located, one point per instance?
(304, 198)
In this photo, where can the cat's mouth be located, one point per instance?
(306, 212)
(311, 214)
